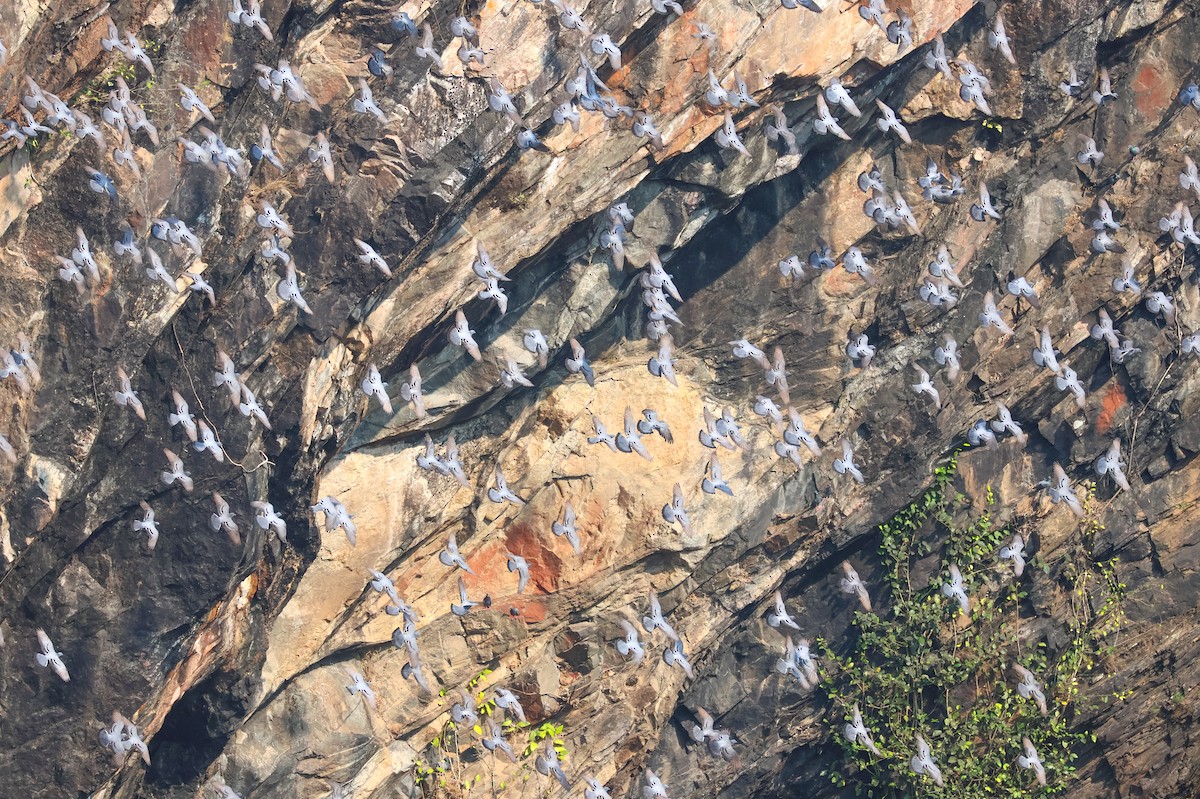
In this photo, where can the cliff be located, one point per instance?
(232, 659)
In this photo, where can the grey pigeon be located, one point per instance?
(267, 518)
(1110, 463)
(518, 564)
(464, 604)
(888, 121)
(358, 685)
(1014, 551)
(922, 763)
(461, 335)
(1004, 423)
(846, 464)
(953, 588)
(653, 788)
(1060, 490)
(629, 646)
(630, 439)
(126, 396)
(981, 434)
(852, 584)
(674, 655)
(49, 656)
(501, 493)
(778, 129)
(1103, 88)
(495, 740)
(464, 711)
(1072, 84)
(507, 699)
(674, 511)
(1068, 380)
(1030, 760)
(147, 524)
(990, 316)
(222, 519)
(501, 101)
(856, 733)
(567, 528)
(595, 789)
(797, 662)
(547, 764)
(997, 39)
(924, 385)
(450, 556)
(651, 423)
(655, 620)
(1030, 688)
(826, 122)
(713, 481)
(373, 386)
(936, 58)
(779, 615)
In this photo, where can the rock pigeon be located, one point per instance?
(629, 646)
(1030, 760)
(146, 524)
(567, 528)
(674, 512)
(450, 556)
(922, 763)
(654, 620)
(852, 584)
(1030, 688)
(1014, 551)
(49, 656)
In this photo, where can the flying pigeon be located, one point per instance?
(358, 685)
(49, 656)
(1030, 760)
(856, 733)
(461, 335)
(222, 519)
(567, 528)
(1014, 550)
(1030, 688)
(953, 588)
(629, 646)
(779, 615)
(852, 584)
(450, 556)
(1004, 423)
(1110, 463)
(922, 762)
(675, 512)
(655, 621)
(521, 566)
(146, 524)
(846, 464)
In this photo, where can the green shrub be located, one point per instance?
(916, 667)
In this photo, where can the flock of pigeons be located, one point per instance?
(170, 241)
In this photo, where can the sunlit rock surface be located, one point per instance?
(232, 660)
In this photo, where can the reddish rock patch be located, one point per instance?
(1112, 400)
(544, 566)
(1151, 90)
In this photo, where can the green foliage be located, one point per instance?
(478, 678)
(96, 91)
(920, 667)
(548, 730)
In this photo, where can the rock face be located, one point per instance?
(233, 659)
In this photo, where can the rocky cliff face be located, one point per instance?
(233, 660)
